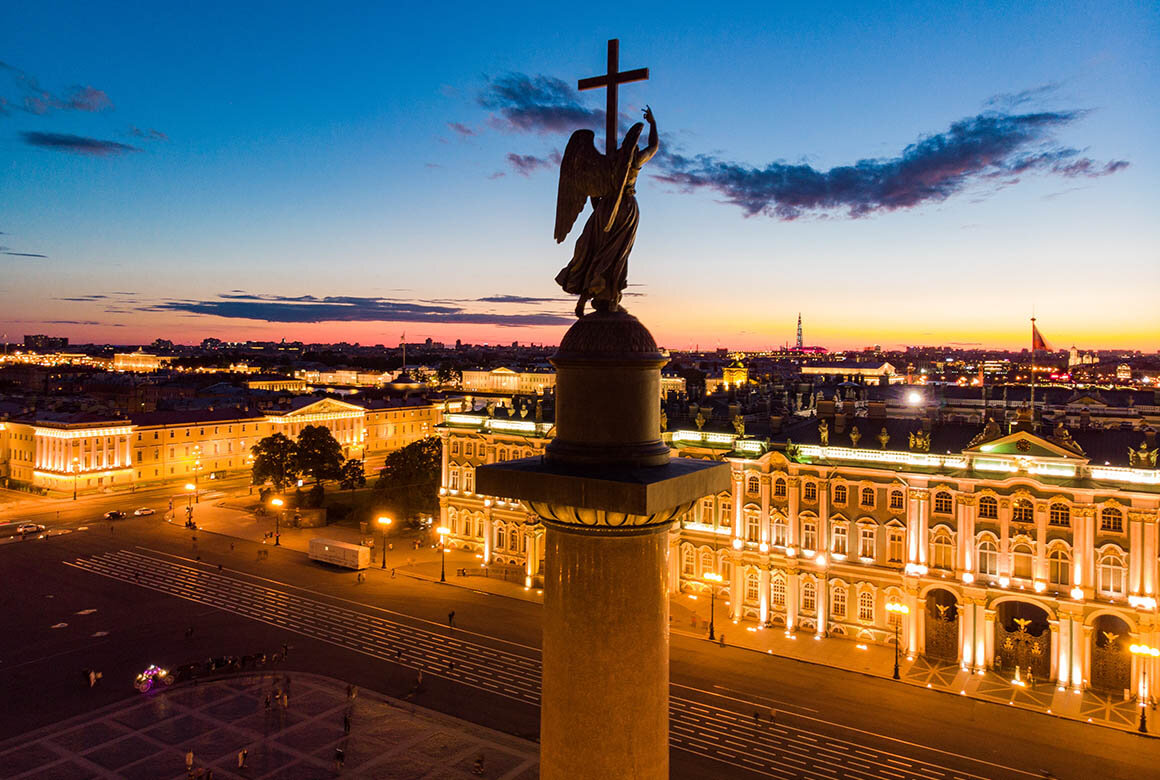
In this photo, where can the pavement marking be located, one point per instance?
(757, 696)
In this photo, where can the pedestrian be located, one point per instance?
(477, 768)
(219, 568)
(285, 700)
(339, 758)
(756, 718)
(392, 572)
(267, 702)
(419, 680)
(721, 639)
(189, 761)
(346, 723)
(451, 619)
(398, 653)
(242, 755)
(353, 692)
(92, 678)
(231, 546)
(451, 666)
(285, 649)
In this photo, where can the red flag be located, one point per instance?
(1037, 340)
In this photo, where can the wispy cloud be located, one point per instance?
(26, 94)
(148, 133)
(526, 164)
(4, 251)
(461, 129)
(311, 309)
(993, 147)
(1009, 101)
(537, 104)
(76, 144)
(519, 299)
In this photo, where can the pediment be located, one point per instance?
(1087, 400)
(324, 406)
(1023, 444)
(502, 370)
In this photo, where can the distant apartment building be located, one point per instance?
(41, 343)
(139, 361)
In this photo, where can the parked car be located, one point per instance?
(143, 511)
(29, 528)
(116, 514)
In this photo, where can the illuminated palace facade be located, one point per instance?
(63, 452)
(994, 549)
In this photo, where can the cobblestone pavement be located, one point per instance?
(148, 737)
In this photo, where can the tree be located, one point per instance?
(409, 479)
(318, 455)
(353, 476)
(275, 460)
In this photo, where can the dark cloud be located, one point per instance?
(992, 147)
(77, 144)
(537, 104)
(526, 164)
(497, 175)
(84, 298)
(149, 134)
(29, 96)
(518, 299)
(1013, 100)
(5, 251)
(310, 309)
(461, 128)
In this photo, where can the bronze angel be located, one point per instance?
(599, 267)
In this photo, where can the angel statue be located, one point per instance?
(599, 267)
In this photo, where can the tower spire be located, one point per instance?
(800, 343)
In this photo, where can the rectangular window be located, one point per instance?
(896, 500)
(866, 543)
(894, 545)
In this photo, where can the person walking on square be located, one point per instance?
(189, 761)
(346, 723)
(451, 619)
(242, 755)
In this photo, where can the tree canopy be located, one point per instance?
(275, 460)
(353, 476)
(409, 479)
(318, 454)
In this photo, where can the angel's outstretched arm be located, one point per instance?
(653, 139)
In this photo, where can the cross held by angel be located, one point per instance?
(598, 271)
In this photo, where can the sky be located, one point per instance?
(899, 173)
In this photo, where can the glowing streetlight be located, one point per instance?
(900, 609)
(277, 503)
(443, 531)
(384, 523)
(713, 579)
(76, 464)
(1147, 652)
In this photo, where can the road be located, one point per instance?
(145, 587)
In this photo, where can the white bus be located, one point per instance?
(350, 556)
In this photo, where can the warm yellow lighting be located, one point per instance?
(385, 521)
(1145, 650)
(276, 502)
(738, 544)
(190, 486)
(713, 576)
(895, 606)
(442, 530)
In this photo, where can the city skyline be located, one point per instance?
(270, 188)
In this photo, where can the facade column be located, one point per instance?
(823, 603)
(738, 500)
(1136, 563)
(1084, 636)
(911, 623)
(966, 634)
(793, 492)
(966, 533)
(763, 584)
(791, 598)
(988, 638)
(824, 520)
(446, 441)
(923, 526)
(1058, 632)
(736, 588)
(1039, 568)
(766, 533)
(913, 537)
(674, 561)
(1004, 542)
(488, 539)
(1148, 575)
(982, 627)
(1078, 637)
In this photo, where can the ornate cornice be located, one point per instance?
(598, 521)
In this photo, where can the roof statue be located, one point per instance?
(598, 271)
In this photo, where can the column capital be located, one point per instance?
(919, 494)
(967, 499)
(1141, 516)
(793, 480)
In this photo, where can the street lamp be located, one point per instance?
(900, 609)
(713, 578)
(1147, 652)
(76, 466)
(384, 523)
(277, 504)
(196, 468)
(443, 531)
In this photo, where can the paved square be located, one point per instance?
(148, 736)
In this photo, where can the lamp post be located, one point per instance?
(277, 504)
(713, 578)
(384, 523)
(443, 531)
(1145, 652)
(76, 467)
(900, 609)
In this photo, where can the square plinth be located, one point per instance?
(636, 491)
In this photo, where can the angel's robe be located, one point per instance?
(599, 266)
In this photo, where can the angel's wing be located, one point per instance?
(584, 173)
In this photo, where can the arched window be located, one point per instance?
(752, 587)
(1112, 520)
(809, 597)
(725, 517)
(1112, 574)
(453, 521)
(1023, 511)
(779, 488)
(942, 551)
(810, 535)
(753, 485)
(752, 525)
(841, 540)
(988, 558)
(943, 503)
(688, 562)
(453, 478)
(866, 541)
(838, 602)
(988, 508)
(1059, 514)
(499, 537)
(707, 563)
(867, 498)
(866, 606)
(897, 501)
(501, 454)
(1059, 567)
(839, 494)
(454, 448)
(780, 530)
(777, 592)
(468, 479)
(810, 491)
(1021, 554)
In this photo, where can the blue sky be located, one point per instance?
(279, 151)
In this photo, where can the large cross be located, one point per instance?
(612, 79)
